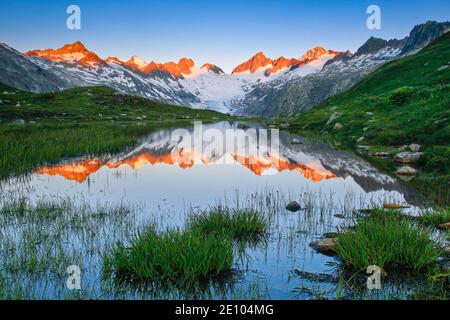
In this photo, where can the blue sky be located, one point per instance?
(224, 32)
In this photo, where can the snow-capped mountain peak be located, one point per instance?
(260, 62)
(213, 68)
(253, 64)
(137, 62)
(260, 85)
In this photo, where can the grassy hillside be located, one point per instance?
(405, 101)
(39, 128)
(87, 104)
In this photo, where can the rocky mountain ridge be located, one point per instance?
(259, 86)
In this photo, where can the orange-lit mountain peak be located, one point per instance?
(152, 67)
(259, 60)
(313, 53)
(253, 64)
(136, 63)
(75, 52)
(259, 55)
(172, 68)
(208, 66)
(73, 48)
(280, 64)
(114, 60)
(185, 65)
(316, 53)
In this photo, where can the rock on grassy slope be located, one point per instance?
(405, 102)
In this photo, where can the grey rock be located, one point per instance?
(442, 68)
(333, 117)
(406, 171)
(338, 126)
(382, 154)
(407, 157)
(362, 148)
(447, 251)
(19, 122)
(414, 147)
(437, 122)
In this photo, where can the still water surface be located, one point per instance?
(171, 178)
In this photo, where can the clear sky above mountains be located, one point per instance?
(222, 32)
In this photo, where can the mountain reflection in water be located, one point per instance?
(292, 163)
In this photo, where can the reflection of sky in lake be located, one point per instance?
(201, 185)
(150, 175)
(321, 179)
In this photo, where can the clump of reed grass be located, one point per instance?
(171, 255)
(241, 225)
(204, 248)
(388, 241)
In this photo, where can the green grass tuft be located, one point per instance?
(205, 248)
(242, 226)
(171, 255)
(388, 242)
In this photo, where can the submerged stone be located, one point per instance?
(316, 277)
(330, 234)
(325, 246)
(293, 206)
